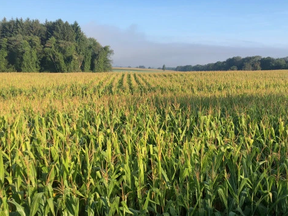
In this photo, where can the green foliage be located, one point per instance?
(50, 47)
(29, 62)
(238, 63)
(3, 55)
(144, 144)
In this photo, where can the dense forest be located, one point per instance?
(238, 63)
(31, 46)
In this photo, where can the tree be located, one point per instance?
(29, 59)
(279, 64)
(238, 63)
(107, 61)
(53, 60)
(21, 55)
(53, 47)
(164, 67)
(3, 55)
(233, 68)
(231, 62)
(81, 44)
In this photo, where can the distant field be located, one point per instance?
(127, 143)
(115, 69)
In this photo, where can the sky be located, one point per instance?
(170, 32)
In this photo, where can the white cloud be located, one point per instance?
(133, 48)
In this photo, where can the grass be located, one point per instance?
(209, 143)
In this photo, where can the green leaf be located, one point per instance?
(51, 205)
(35, 204)
(19, 208)
(145, 207)
(223, 197)
(2, 169)
(126, 209)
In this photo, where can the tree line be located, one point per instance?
(31, 46)
(238, 63)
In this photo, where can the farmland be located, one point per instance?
(124, 143)
(126, 69)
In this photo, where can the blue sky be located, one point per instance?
(243, 24)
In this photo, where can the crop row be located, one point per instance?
(144, 144)
(212, 83)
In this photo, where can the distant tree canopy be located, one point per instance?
(238, 63)
(30, 46)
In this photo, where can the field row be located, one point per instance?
(83, 85)
(144, 144)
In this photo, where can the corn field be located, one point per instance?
(209, 143)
